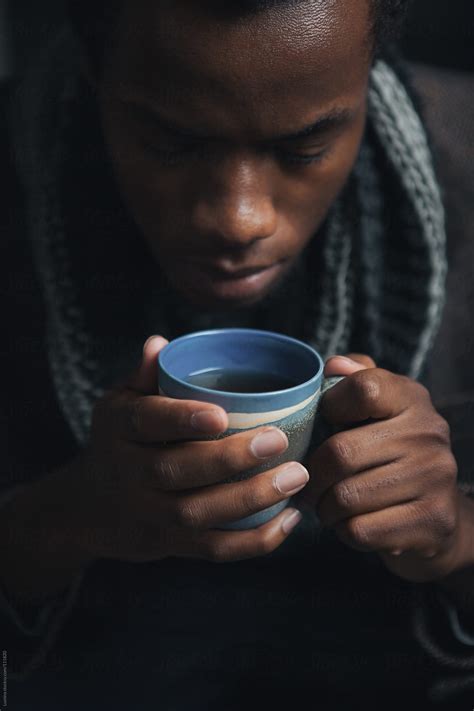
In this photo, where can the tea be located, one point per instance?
(240, 381)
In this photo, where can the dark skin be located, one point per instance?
(140, 492)
(234, 194)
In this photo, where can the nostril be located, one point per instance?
(237, 217)
(234, 232)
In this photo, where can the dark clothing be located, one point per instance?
(185, 634)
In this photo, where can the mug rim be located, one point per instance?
(253, 331)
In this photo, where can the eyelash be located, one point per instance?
(172, 157)
(299, 159)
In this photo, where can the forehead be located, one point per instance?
(315, 51)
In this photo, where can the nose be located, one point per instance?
(234, 205)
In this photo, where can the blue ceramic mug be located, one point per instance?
(239, 350)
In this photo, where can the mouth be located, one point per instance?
(224, 273)
(237, 285)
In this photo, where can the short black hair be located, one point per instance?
(92, 19)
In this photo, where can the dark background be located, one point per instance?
(441, 32)
(438, 32)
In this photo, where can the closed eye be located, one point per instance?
(301, 158)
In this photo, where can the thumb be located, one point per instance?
(145, 378)
(346, 365)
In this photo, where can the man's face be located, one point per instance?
(207, 122)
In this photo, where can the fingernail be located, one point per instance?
(291, 479)
(269, 443)
(208, 421)
(164, 340)
(343, 358)
(291, 520)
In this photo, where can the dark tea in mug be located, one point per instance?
(240, 381)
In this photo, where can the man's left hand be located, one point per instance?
(389, 483)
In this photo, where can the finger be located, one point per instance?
(372, 393)
(145, 378)
(155, 418)
(199, 464)
(227, 546)
(372, 491)
(361, 358)
(348, 364)
(347, 453)
(417, 526)
(399, 482)
(215, 505)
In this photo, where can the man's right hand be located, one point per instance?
(147, 488)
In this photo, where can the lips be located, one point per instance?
(241, 285)
(223, 273)
(233, 269)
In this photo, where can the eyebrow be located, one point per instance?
(327, 122)
(332, 120)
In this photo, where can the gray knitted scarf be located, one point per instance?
(382, 251)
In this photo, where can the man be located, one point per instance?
(263, 177)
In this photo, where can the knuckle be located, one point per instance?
(449, 524)
(346, 496)
(445, 519)
(167, 472)
(340, 451)
(356, 532)
(441, 431)
(451, 467)
(266, 543)
(421, 389)
(446, 470)
(366, 386)
(179, 411)
(441, 517)
(226, 458)
(187, 513)
(253, 495)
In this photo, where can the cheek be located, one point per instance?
(150, 194)
(307, 198)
